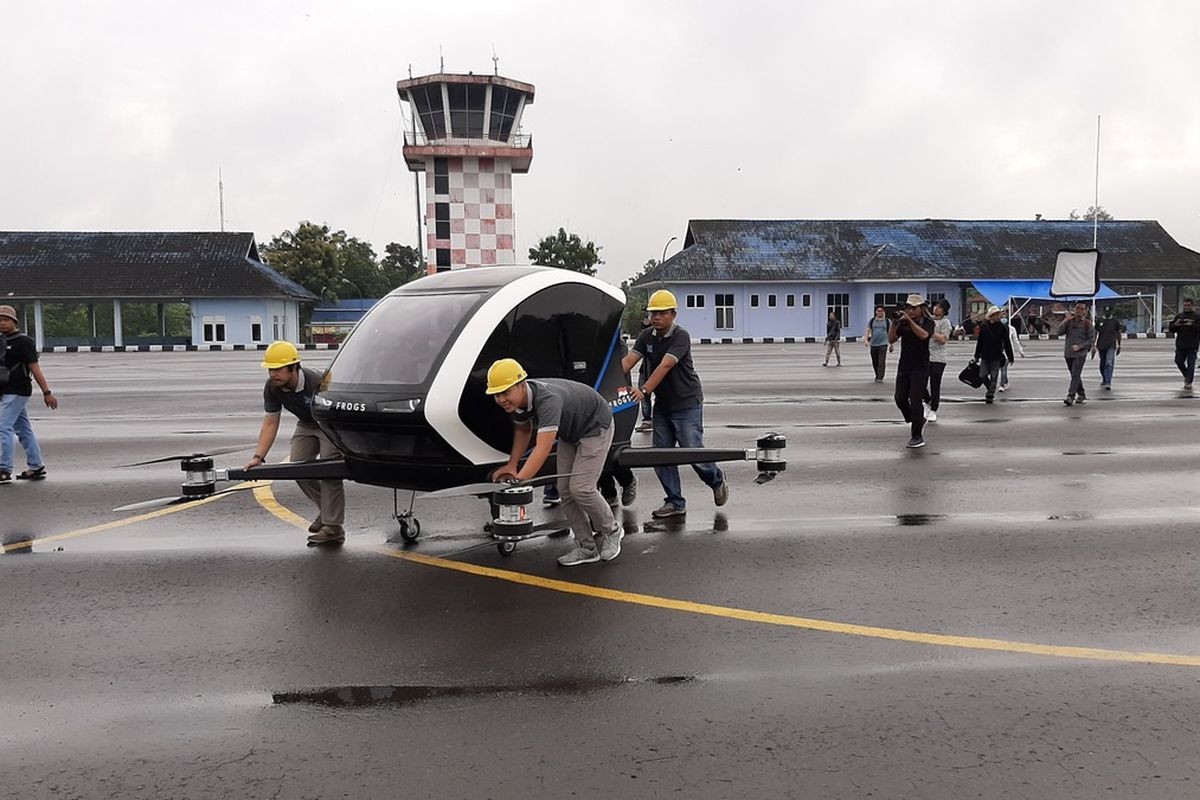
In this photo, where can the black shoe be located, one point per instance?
(5, 476)
(989, 399)
(1081, 399)
(1069, 401)
(38, 474)
(915, 442)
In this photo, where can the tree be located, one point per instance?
(568, 251)
(1097, 212)
(635, 300)
(401, 264)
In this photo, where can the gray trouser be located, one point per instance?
(833, 346)
(308, 442)
(582, 504)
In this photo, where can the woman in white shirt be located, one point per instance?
(937, 357)
(1016, 346)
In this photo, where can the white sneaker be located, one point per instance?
(931, 416)
(610, 544)
(579, 554)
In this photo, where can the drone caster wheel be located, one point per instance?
(506, 548)
(410, 529)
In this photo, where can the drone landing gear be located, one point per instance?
(410, 526)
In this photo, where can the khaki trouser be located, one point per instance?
(582, 504)
(308, 442)
(832, 347)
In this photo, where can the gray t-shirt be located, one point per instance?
(879, 331)
(571, 409)
(680, 389)
(937, 352)
(298, 402)
(1078, 332)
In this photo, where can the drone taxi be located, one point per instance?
(404, 398)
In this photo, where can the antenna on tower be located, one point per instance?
(441, 60)
(410, 71)
(221, 196)
(495, 61)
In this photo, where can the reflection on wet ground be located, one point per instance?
(14, 543)
(919, 519)
(356, 696)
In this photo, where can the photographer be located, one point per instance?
(913, 328)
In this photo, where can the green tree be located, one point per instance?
(1099, 212)
(568, 251)
(401, 264)
(635, 300)
(309, 256)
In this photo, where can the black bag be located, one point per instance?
(970, 375)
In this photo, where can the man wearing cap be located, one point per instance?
(579, 418)
(678, 400)
(913, 328)
(292, 386)
(18, 371)
(993, 349)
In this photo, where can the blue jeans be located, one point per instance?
(683, 429)
(1186, 361)
(14, 421)
(1108, 359)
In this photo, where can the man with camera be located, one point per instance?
(912, 328)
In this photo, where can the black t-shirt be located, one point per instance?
(914, 351)
(1108, 328)
(298, 402)
(680, 389)
(19, 352)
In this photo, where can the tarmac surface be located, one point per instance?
(1009, 612)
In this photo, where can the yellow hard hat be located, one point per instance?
(280, 354)
(503, 374)
(662, 300)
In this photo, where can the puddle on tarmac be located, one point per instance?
(919, 519)
(1075, 516)
(190, 433)
(1089, 452)
(358, 696)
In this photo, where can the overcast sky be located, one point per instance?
(117, 115)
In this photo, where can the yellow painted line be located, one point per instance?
(265, 497)
(116, 523)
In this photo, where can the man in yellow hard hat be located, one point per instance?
(678, 400)
(292, 386)
(579, 418)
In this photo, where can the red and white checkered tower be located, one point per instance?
(467, 139)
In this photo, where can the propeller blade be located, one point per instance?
(481, 489)
(163, 502)
(147, 505)
(220, 451)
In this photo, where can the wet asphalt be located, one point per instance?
(209, 653)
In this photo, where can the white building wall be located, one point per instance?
(276, 319)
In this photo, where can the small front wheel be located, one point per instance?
(506, 548)
(410, 529)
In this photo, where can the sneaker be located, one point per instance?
(1004, 387)
(1069, 401)
(931, 416)
(329, 534)
(915, 442)
(879, 380)
(5, 476)
(316, 525)
(646, 426)
(826, 364)
(578, 554)
(989, 399)
(610, 545)
(668, 510)
(1081, 399)
(1187, 387)
(38, 474)
(1106, 387)
(629, 492)
(721, 493)
(550, 497)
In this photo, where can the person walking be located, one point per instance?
(833, 338)
(876, 339)
(993, 349)
(1108, 344)
(292, 386)
(1080, 337)
(1186, 327)
(913, 328)
(942, 328)
(577, 417)
(678, 400)
(1014, 347)
(18, 371)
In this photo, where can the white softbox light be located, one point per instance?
(1076, 274)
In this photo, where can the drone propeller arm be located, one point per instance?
(332, 469)
(676, 456)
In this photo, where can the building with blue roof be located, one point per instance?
(778, 280)
(147, 289)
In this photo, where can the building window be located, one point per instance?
(256, 329)
(771, 301)
(724, 306)
(806, 300)
(214, 330)
(428, 100)
(889, 300)
(935, 298)
(441, 217)
(977, 308)
(275, 327)
(839, 304)
(441, 176)
(754, 301)
(791, 301)
(505, 103)
(443, 258)
(694, 301)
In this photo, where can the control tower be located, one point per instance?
(467, 140)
